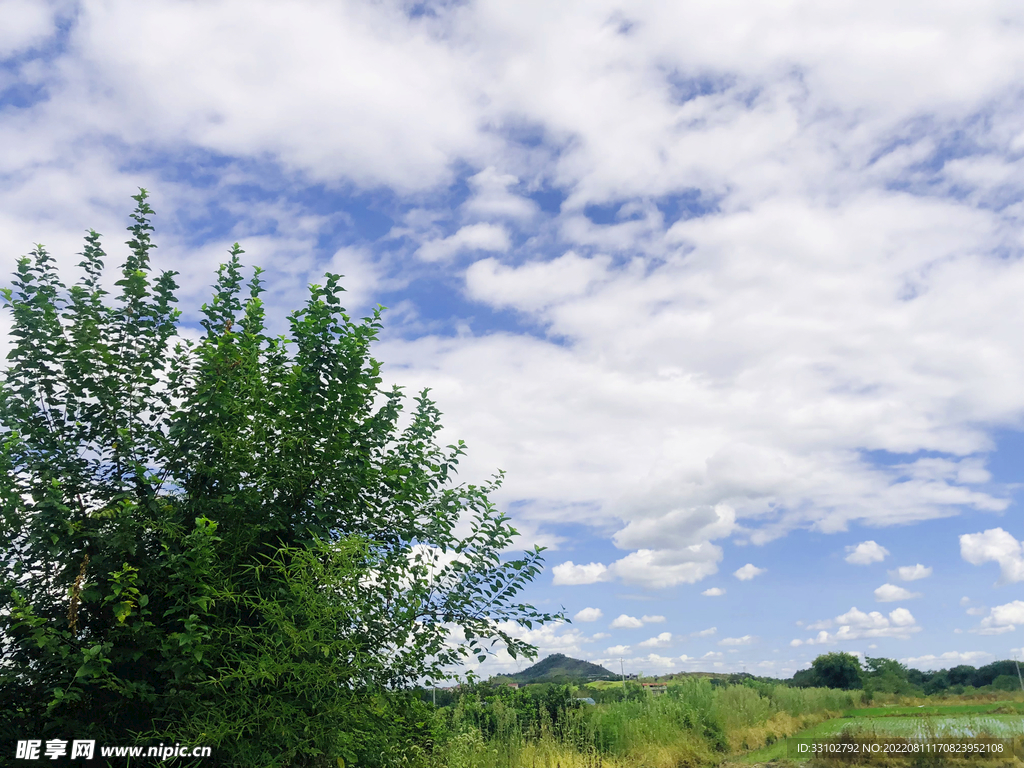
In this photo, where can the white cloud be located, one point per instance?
(712, 655)
(535, 285)
(657, 569)
(948, 659)
(571, 574)
(911, 572)
(705, 632)
(997, 546)
(890, 593)
(626, 622)
(678, 529)
(655, 660)
(588, 614)
(600, 636)
(550, 638)
(662, 640)
(865, 553)
(713, 592)
(648, 568)
(363, 276)
(901, 617)
(1002, 618)
(492, 198)
(858, 625)
(472, 237)
(618, 650)
(846, 293)
(745, 640)
(416, 113)
(26, 23)
(748, 572)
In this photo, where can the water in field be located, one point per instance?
(952, 726)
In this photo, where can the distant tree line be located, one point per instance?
(880, 675)
(837, 670)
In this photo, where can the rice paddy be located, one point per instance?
(924, 727)
(1000, 720)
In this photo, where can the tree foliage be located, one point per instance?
(885, 676)
(837, 670)
(233, 541)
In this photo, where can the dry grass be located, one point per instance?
(777, 727)
(684, 753)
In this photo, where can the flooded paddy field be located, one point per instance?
(1000, 720)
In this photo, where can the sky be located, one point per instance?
(731, 290)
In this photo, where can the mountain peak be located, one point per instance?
(559, 667)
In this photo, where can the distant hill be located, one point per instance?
(558, 667)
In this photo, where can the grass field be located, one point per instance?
(602, 684)
(1000, 719)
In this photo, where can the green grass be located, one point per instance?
(776, 751)
(602, 684)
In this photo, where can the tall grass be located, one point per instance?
(806, 701)
(688, 713)
(694, 724)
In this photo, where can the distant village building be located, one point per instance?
(655, 688)
(514, 686)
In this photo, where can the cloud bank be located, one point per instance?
(684, 278)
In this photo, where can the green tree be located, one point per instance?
(936, 683)
(987, 674)
(805, 678)
(837, 670)
(232, 542)
(962, 674)
(1006, 683)
(885, 676)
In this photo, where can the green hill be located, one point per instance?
(559, 668)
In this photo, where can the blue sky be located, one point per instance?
(731, 290)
